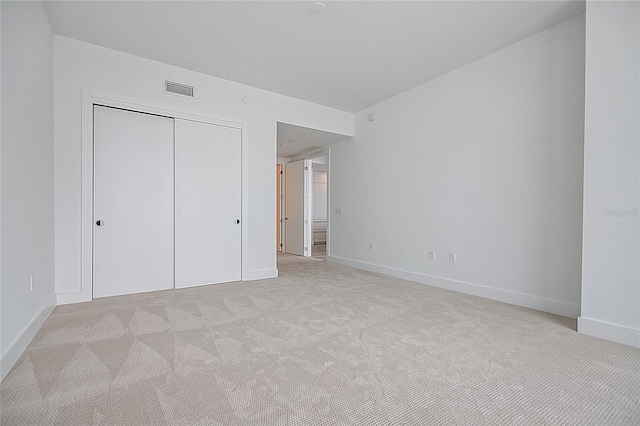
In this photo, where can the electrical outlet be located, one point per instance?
(432, 255)
(452, 257)
(31, 282)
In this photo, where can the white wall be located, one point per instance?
(486, 162)
(27, 177)
(611, 252)
(79, 65)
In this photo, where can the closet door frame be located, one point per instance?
(91, 97)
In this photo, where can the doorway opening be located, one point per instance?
(303, 191)
(302, 207)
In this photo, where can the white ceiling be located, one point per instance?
(351, 56)
(295, 140)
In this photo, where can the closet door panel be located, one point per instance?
(133, 202)
(208, 204)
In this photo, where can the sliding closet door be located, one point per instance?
(133, 202)
(208, 204)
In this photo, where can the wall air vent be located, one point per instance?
(178, 89)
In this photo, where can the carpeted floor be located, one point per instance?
(323, 344)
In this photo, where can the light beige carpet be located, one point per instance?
(322, 344)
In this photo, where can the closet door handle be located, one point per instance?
(100, 222)
(237, 221)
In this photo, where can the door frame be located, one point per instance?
(91, 97)
(310, 156)
(279, 208)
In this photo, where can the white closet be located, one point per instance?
(166, 203)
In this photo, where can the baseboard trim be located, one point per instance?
(69, 297)
(17, 348)
(260, 274)
(552, 306)
(609, 331)
(86, 296)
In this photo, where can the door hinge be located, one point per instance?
(306, 167)
(306, 249)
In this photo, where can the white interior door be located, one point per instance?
(133, 202)
(208, 204)
(297, 209)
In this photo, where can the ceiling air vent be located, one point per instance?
(178, 89)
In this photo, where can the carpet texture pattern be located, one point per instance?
(323, 344)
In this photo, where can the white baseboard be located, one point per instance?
(75, 297)
(609, 331)
(86, 295)
(552, 306)
(17, 348)
(261, 274)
